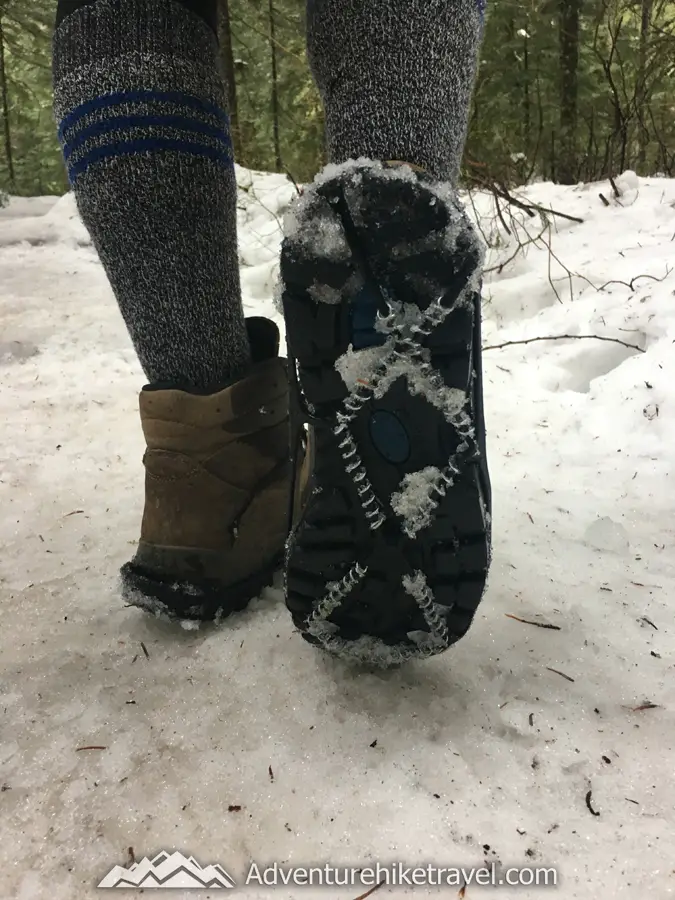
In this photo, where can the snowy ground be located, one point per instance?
(488, 752)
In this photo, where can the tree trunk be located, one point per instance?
(641, 91)
(4, 100)
(275, 90)
(227, 55)
(568, 15)
(510, 40)
(527, 118)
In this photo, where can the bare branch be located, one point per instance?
(631, 284)
(564, 337)
(499, 190)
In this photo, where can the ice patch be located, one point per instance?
(17, 351)
(310, 223)
(354, 167)
(357, 366)
(418, 498)
(372, 652)
(162, 611)
(606, 534)
(278, 296)
(449, 401)
(324, 293)
(326, 239)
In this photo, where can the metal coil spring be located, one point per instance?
(336, 594)
(354, 467)
(422, 594)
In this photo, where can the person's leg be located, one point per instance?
(141, 110)
(140, 105)
(381, 278)
(396, 77)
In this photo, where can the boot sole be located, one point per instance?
(198, 600)
(390, 557)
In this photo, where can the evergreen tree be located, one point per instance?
(567, 90)
(30, 162)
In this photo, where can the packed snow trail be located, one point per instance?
(242, 742)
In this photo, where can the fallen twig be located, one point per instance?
(631, 284)
(271, 212)
(295, 183)
(371, 891)
(530, 208)
(499, 268)
(558, 672)
(589, 795)
(532, 622)
(91, 747)
(479, 221)
(501, 215)
(564, 337)
(643, 706)
(551, 255)
(145, 650)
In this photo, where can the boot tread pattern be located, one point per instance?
(389, 559)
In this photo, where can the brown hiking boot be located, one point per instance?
(216, 492)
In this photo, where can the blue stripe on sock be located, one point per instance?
(147, 145)
(122, 123)
(141, 96)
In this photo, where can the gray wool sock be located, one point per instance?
(140, 103)
(396, 77)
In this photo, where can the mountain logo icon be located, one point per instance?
(166, 871)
